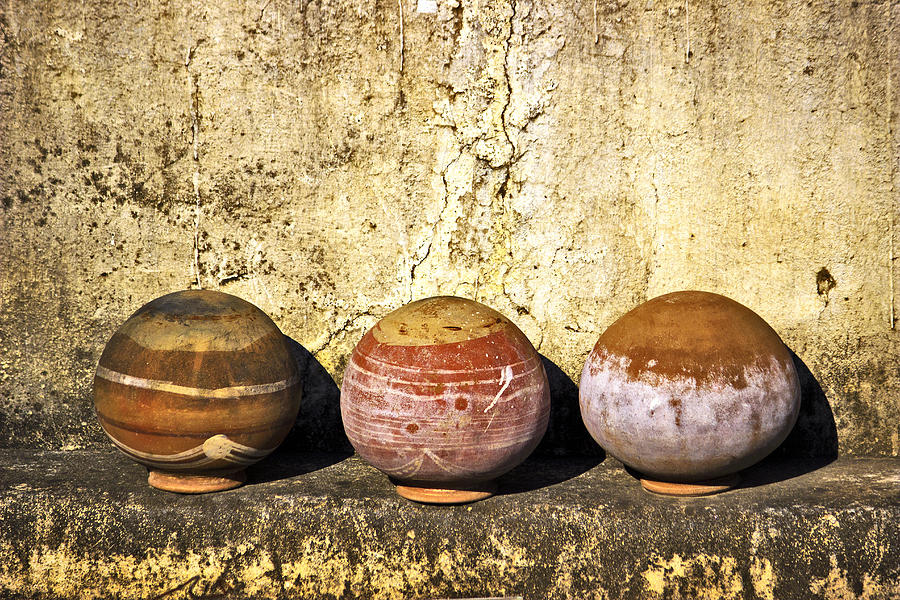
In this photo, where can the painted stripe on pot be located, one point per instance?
(173, 388)
(409, 443)
(449, 396)
(216, 448)
(436, 371)
(180, 432)
(388, 422)
(504, 372)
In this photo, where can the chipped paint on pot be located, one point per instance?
(689, 386)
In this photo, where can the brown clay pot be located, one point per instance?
(689, 388)
(197, 385)
(444, 395)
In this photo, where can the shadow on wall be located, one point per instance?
(566, 436)
(317, 439)
(812, 443)
(319, 426)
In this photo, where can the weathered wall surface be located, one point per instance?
(559, 161)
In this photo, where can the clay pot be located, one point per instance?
(197, 385)
(689, 388)
(444, 395)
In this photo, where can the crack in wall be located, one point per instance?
(402, 40)
(499, 226)
(509, 92)
(194, 111)
(434, 228)
(483, 116)
(893, 175)
(474, 228)
(342, 329)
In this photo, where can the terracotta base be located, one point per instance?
(446, 495)
(698, 488)
(184, 483)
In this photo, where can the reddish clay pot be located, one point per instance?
(444, 395)
(689, 388)
(197, 385)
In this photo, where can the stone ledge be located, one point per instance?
(84, 524)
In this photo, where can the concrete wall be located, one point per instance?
(560, 161)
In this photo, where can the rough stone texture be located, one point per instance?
(559, 161)
(84, 524)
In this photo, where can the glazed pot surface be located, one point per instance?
(197, 383)
(689, 386)
(445, 393)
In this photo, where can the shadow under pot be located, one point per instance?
(197, 385)
(688, 389)
(444, 395)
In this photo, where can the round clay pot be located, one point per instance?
(197, 385)
(444, 395)
(689, 388)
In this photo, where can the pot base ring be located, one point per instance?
(428, 495)
(697, 488)
(185, 483)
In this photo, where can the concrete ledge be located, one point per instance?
(85, 525)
